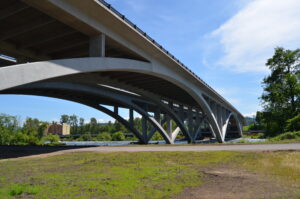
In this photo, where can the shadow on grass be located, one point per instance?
(7, 152)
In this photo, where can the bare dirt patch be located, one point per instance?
(228, 182)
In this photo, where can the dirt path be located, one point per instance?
(12, 152)
(233, 183)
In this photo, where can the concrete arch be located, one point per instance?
(225, 126)
(92, 98)
(21, 74)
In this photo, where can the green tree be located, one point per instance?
(281, 96)
(9, 122)
(31, 126)
(51, 139)
(118, 136)
(64, 119)
(93, 125)
(104, 136)
(5, 136)
(81, 126)
(293, 124)
(73, 120)
(85, 137)
(157, 136)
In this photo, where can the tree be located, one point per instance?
(31, 125)
(73, 123)
(120, 127)
(81, 122)
(93, 125)
(64, 119)
(81, 126)
(293, 124)
(281, 96)
(85, 137)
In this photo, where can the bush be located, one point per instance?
(104, 137)
(246, 128)
(5, 136)
(33, 140)
(260, 136)
(118, 136)
(52, 139)
(293, 124)
(157, 136)
(20, 138)
(85, 137)
(287, 136)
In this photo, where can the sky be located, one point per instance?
(225, 42)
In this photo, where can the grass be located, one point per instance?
(283, 167)
(267, 141)
(131, 175)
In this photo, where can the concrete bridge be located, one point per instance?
(87, 52)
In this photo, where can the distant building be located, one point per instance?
(58, 129)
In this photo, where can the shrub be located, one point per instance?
(85, 137)
(20, 138)
(5, 136)
(104, 137)
(293, 124)
(246, 128)
(287, 136)
(33, 140)
(118, 136)
(260, 136)
(157, 136)
(52, 139)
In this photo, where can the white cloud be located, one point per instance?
(250, 114)
(249, 37)
(101, 120)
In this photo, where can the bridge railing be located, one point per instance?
(130, 23)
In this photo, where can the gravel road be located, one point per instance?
(11, 152)
(242, 147)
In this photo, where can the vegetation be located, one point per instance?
(32, 131)
(280, 118)
(118, 136)
(11, 133)
(52, 140)
(135, 175)
(281, 96)
(103, 136)
(287, 136)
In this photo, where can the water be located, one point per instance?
(124, 143)
(112, 143)
(252, 140)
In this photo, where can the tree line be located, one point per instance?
(32, 131)
(281, 94)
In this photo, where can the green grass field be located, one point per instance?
(134, 175)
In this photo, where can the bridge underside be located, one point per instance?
(160, 118)
(129, 89)
(94, 58)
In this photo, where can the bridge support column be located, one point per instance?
(97, 46)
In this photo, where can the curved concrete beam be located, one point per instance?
(225, 126)
(95, 93)
(32, 72)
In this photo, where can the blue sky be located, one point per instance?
(225, 42)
